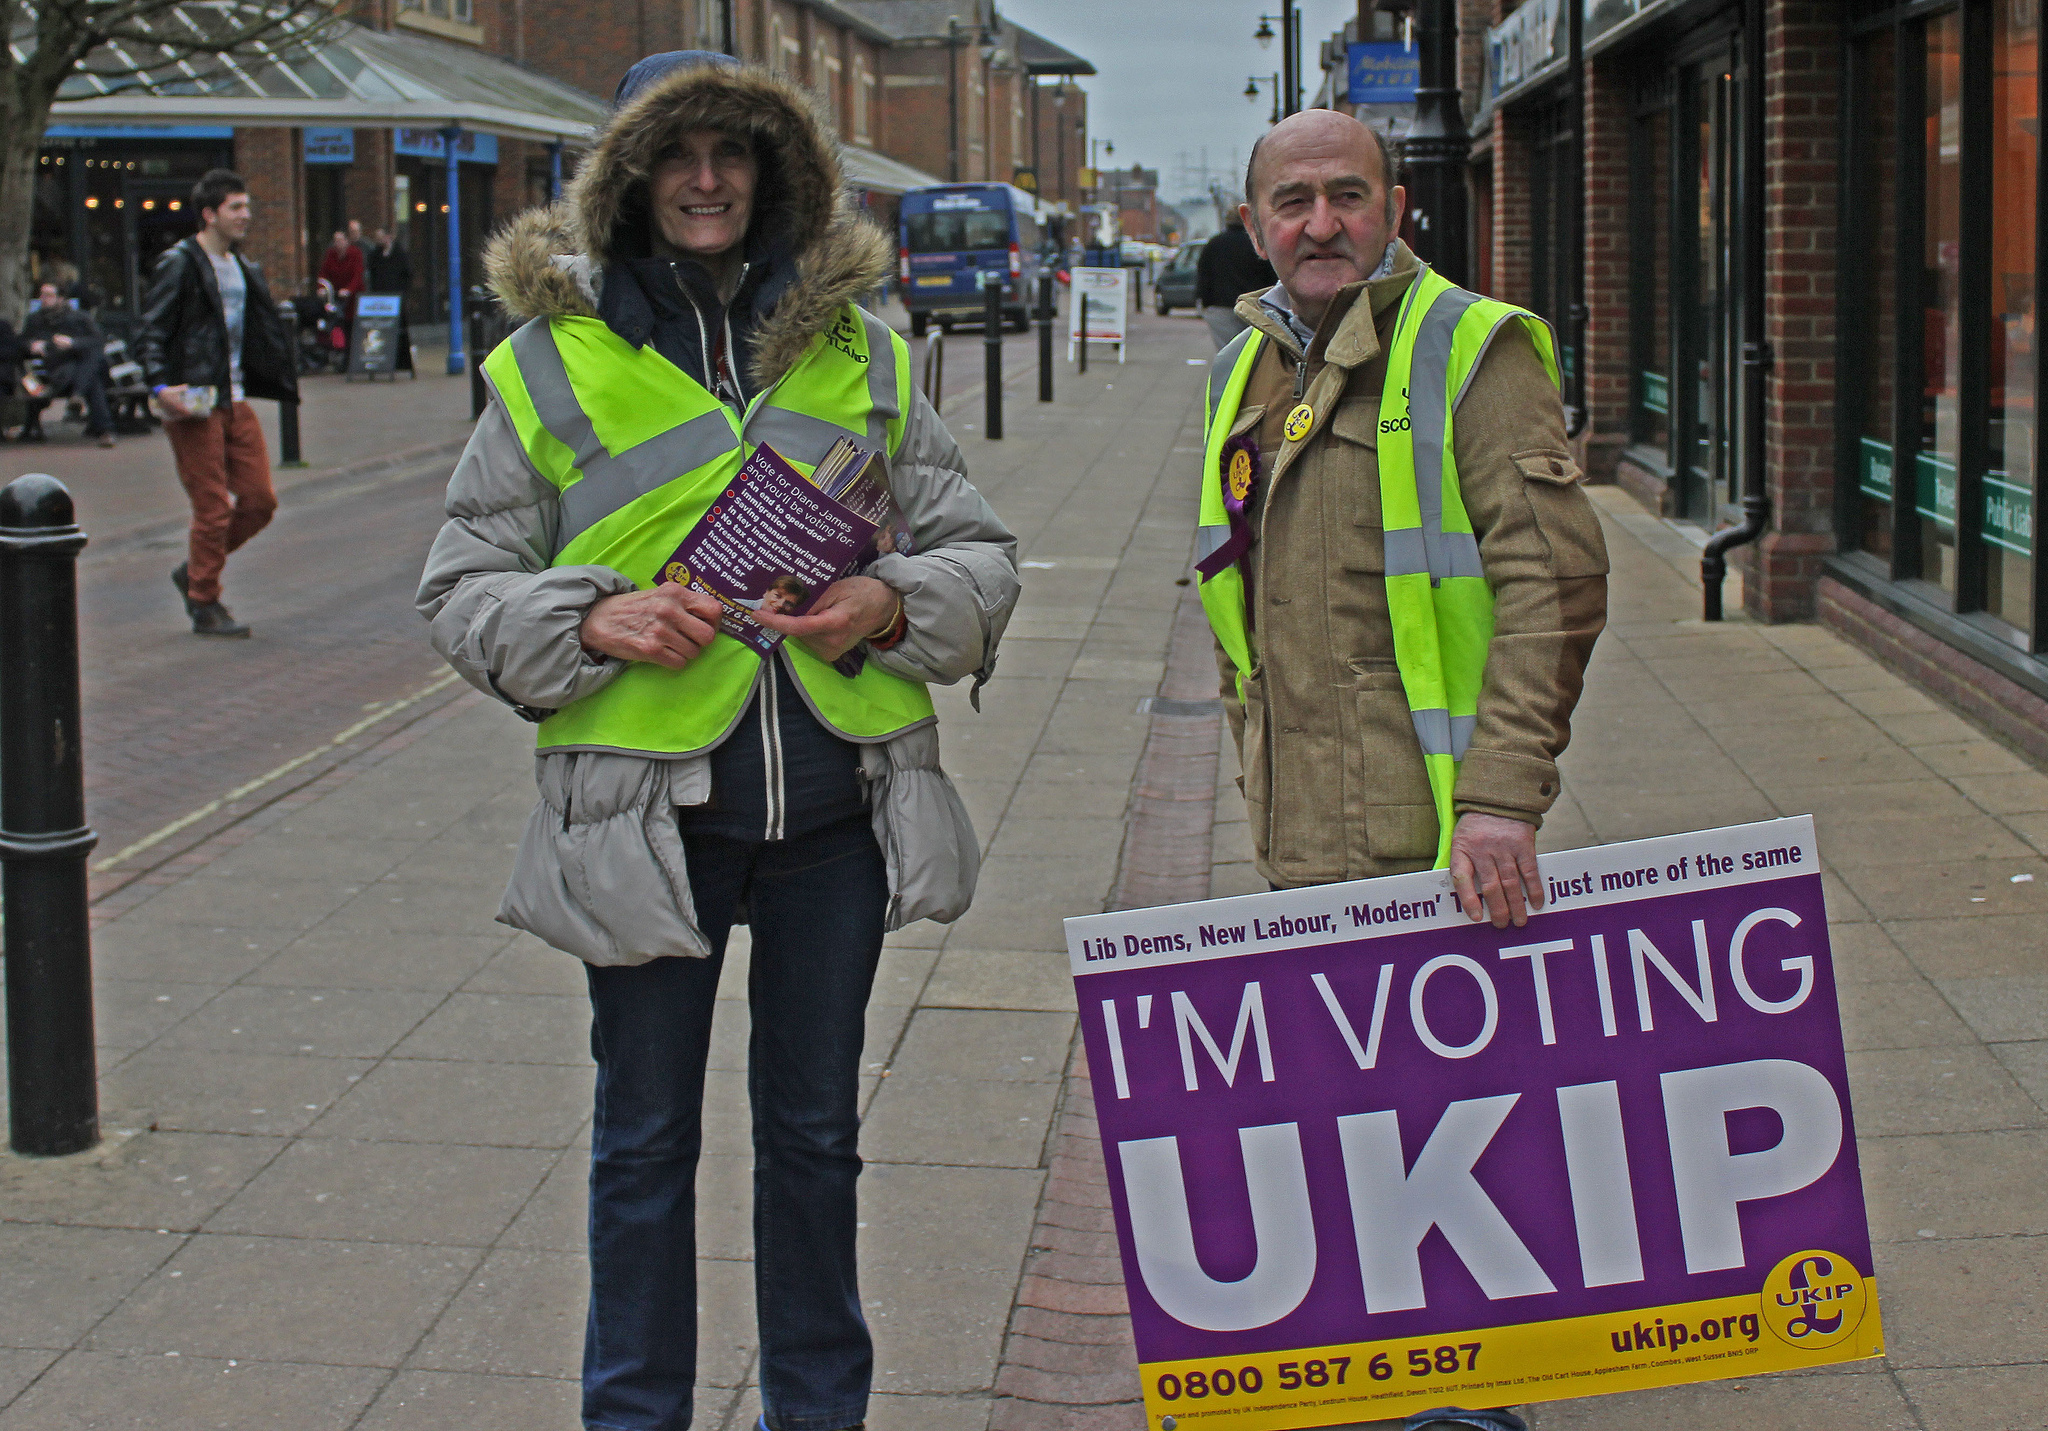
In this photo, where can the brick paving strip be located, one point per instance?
(1068, 1362)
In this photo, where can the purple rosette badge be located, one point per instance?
(1237, 468)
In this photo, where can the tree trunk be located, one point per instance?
(26, 113)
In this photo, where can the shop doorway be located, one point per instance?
(1708, 295)
(155, 214)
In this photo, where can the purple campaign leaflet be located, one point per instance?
(1597, 1113)
(770, 537)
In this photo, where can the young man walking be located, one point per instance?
(211, 337)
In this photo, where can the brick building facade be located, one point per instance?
(1786, 216)
(917, 94)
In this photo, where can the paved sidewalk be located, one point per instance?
(348, 1114)
(344, 1178)
(1933, 839)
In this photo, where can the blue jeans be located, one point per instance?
(816, 906)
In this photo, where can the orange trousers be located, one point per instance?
(225, 468)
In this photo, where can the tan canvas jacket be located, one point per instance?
(1333, 774)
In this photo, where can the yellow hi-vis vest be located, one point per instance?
(1437, 596)
(639, 449)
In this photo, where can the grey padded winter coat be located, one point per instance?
(600, 872)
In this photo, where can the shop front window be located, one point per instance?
(1651, 195)
(1938, 462)
(1707, 395)
(1875, 204)
(2008, 501)
(1938, 359)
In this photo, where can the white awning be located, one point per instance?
(879, 174)
(353, 76)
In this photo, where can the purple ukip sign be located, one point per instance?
(1369, 1157)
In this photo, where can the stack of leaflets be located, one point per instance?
(775, 539)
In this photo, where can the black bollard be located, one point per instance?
(1081, 330)
(478, 397)
(288, 435)
(52, 1080)
(992, 353)
(1045, 337)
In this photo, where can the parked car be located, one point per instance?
(1175, 287)
(951, 235)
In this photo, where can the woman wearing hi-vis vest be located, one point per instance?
(693, 298)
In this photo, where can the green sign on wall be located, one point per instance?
(1874, 469)
(1934, 488)
(2008, 506)
(2008, 514)
(1657, 393)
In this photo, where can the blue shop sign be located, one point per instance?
(1385, 72)
(470, 147)
(330, 146)
(139, 131)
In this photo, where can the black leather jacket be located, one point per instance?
(184, 335)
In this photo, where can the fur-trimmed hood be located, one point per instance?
(550, 262)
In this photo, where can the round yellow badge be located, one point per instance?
(1298, 422)
(1240, 474)
(1813, 1300)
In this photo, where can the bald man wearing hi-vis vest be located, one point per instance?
(1403, 576)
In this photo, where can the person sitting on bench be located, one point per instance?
(69, 344)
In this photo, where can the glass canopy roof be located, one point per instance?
(341, 74)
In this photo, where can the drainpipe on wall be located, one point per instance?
(1756, 352)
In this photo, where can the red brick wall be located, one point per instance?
(1605, 166)
(913, 97)
(1802, 105)
(268, 161)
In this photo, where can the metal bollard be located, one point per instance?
(1082, 331)
(52, 1079)
(1045, 316)
(478, 397)
(288, 435)
(992, 353)
(934, 365)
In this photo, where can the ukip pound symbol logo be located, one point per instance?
(1814, 1300)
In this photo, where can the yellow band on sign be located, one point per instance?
(1507, 1366)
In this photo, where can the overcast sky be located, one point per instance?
(1172, 72)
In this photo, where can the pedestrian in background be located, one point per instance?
(1229, 267)
(211, 337)
(1366, 753)
(707, 258)
(341, 268)
(72, 350)
(388, 269)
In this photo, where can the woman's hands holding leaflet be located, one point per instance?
(668, 625)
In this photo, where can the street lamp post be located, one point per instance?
(1287, 92)
(1437, 145)
(1251, 92)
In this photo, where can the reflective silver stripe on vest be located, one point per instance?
(609, 482)
(1221, 368)
(1442, 733)
(1486, 343)
(1207, 539)
(881, 379)
(614, 482)
(802, 438)
(1447, 553)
